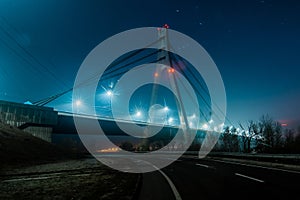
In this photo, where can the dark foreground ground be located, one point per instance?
(31, 168)
(73, 179)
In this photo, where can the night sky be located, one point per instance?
(255, 45)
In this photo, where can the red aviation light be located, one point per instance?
(171, 70)
(166, 26)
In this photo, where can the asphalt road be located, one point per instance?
(190, 178)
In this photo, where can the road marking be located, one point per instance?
(171, 184)
(250, 165)
(254, 179)
(79, 175)
(179, 160)
(206, 166)
(41, 178)
(175, 192)
(28, 179)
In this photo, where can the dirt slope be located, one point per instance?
(20, 148)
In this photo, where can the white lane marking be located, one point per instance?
(179, 160)
(40, 178)
(171, 184)
(175, 191)
(250, 165)
(249, 177)
(78, 175)
(173, 188)
(206, 166)
(28, 179)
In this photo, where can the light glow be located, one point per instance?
(205, 126)
(170, 120)
(138, 113)
(171, 70)
(108, 150)
(78, 103)
(166, 108)
(109, 93)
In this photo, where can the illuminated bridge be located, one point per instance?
(151, 105)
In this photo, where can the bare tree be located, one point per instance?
(297, 141)
(289, 140)
(230, 139)
(272, 133)
(249, 135)
(278, 138)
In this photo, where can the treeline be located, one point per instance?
(265, 135)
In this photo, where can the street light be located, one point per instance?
(78, 103)
(166, 108)
(205, 126)
(109, 93)
(138, 113)
(170, 120)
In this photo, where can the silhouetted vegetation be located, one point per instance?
(265, 135)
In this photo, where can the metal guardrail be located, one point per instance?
(265, 157)
(274, 158)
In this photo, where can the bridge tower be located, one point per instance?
(164, 45)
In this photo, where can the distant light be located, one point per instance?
(109, 93)
(78, 103)
(284, 124)
(155, 74)
(171, 70)
(205, 126)
(138, 113)
(166, 108)
(109, 150)
(211, 121)
(166, 26)
(193, 116)
(170, 120)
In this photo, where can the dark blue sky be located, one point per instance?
(255, 45)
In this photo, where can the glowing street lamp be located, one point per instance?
(109, 93)
(78, 103)
(138, 114)
(205, 126)
(170, 120)
(166, 108)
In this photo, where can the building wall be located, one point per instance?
(17, 114)
(44, 133)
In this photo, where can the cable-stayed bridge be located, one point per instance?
(43, 121)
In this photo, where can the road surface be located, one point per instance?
(192, 178)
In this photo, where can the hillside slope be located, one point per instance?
(20, 148)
